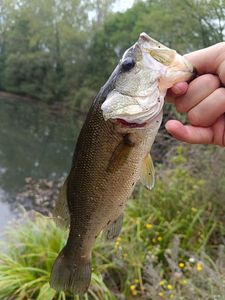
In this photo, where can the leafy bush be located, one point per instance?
(163, 252)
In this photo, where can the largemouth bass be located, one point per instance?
(112, 154)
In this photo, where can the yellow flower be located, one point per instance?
(117, 243)
(134, 293)
(184, 282)
(159, 238)
(169, 286)
(162, 282)
(161, 294)
(181, 265)
(199, 266)
(133, 290)
(148, 226)
(136, 280)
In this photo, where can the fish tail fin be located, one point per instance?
(71, 275)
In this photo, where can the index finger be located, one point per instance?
(209, 60)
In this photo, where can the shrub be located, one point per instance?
(163, 252)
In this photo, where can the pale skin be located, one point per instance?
(203, 99)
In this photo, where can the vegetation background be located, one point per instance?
(65, 50)
(173, 241)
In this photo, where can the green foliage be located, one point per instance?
(164, 250)
(26, 262)
(182, 25)
(36, 66)
(25, 265)
(55, 50)
(44, 42)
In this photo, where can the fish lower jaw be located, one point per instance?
(130, 124)
(151, 123)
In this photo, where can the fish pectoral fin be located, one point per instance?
(148, 172)
(120, 155)
(164, 56)
(61, 213)
(112, 230)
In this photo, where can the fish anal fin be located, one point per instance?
(112, 231)
(148, 172)
(61, 210)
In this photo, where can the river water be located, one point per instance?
(35, 141)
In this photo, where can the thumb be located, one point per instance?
(190, 134)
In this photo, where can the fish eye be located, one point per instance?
(128, 64)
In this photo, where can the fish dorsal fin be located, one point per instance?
(148, 172)
(61, 211)
(112, 230)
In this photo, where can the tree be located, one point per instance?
(65, 50)
(44, 41)
(182, 25)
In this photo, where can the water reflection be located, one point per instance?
(34, 142)
(5, 213)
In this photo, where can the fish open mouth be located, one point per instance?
(130, 125)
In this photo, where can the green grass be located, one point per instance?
(25, 265)
(170, 247)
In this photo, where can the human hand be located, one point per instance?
(203, 100)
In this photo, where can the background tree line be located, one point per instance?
(64, 50)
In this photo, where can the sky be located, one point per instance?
(119, 6)
(122, 5)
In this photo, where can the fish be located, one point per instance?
(112, 154)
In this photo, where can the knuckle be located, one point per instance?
(180, 106)
(211, 81)
(193, 117)
(220, 93)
